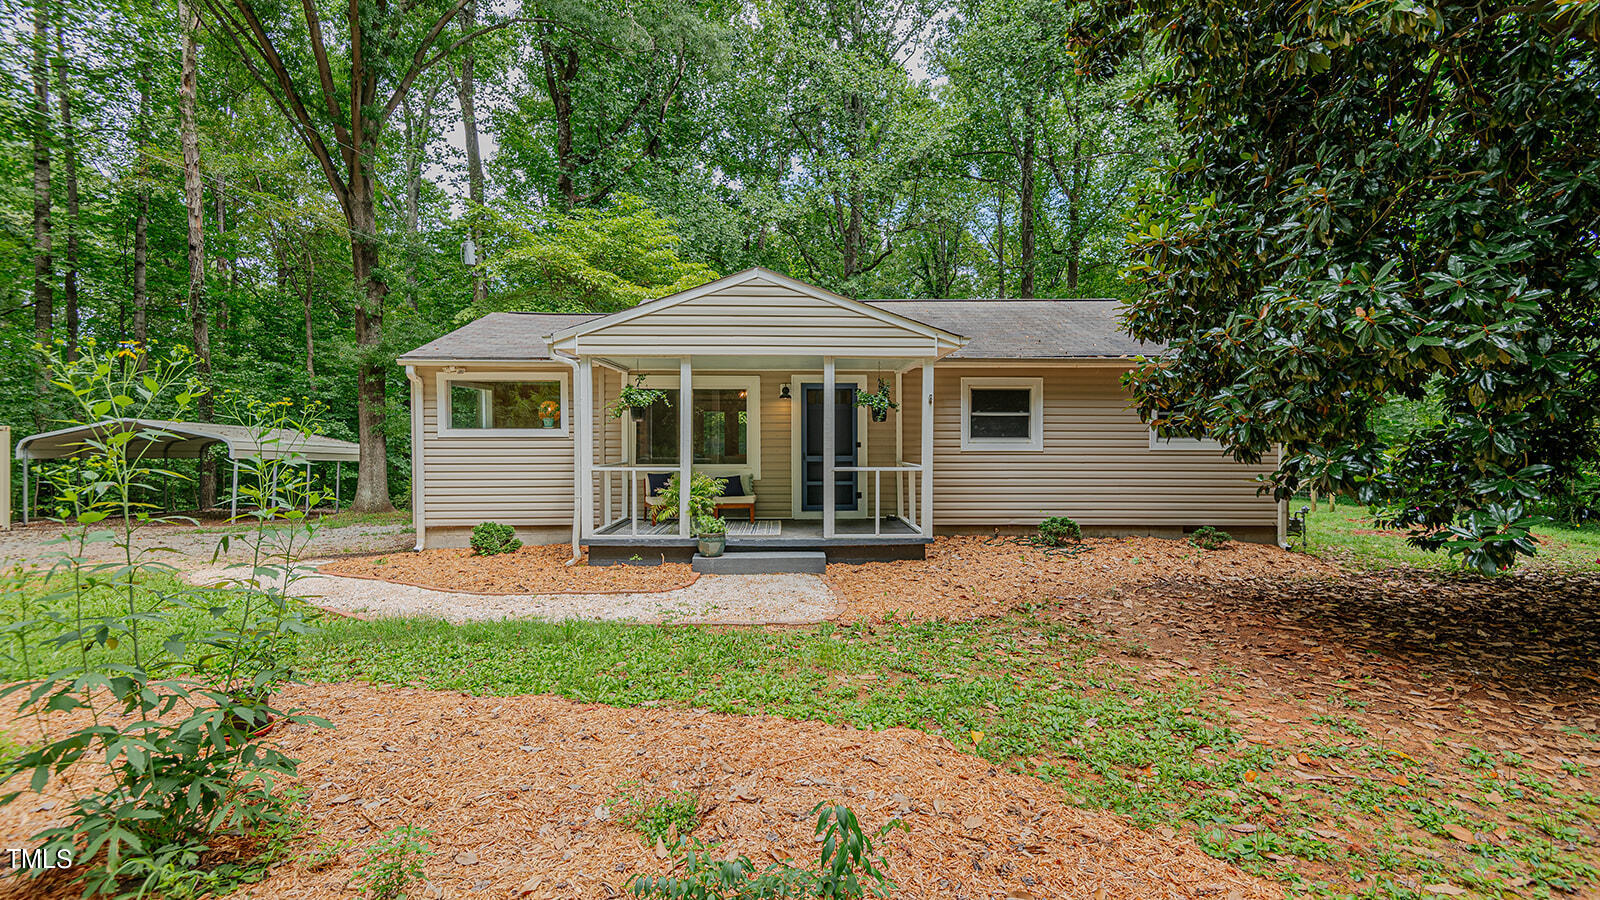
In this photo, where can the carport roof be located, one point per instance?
(160, 439)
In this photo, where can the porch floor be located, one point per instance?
(853, 540)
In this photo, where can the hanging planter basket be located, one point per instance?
(878, 403)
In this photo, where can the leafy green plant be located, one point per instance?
(878, 402)
(703, 493)
(665, 818)
(846, 868)
(636, 396)
(394, 863)
(710, 525)
(490, 538)
(1207, 538)
(170, 707)
(1058, 531)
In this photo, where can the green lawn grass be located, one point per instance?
(1034, 693)
(1346, 533)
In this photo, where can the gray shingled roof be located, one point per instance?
(997, 329)
(505, 335)
(1026, 329)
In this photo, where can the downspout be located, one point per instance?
(577, 468)
(418, 520)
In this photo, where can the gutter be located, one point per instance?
(418, 520)
(577, 469)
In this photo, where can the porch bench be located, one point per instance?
(743, 500)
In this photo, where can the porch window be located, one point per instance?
(720, 434)
(1002, 414)
(474, 404)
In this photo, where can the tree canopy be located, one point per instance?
(1378, 202)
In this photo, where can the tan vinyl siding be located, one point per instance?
(517, 480)
(754, 318)
(1096, 465)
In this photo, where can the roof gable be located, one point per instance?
(756, 312)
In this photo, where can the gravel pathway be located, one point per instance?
(711, 600)
(187, 547)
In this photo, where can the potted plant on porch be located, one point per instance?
(712, 533)
(635, 398)
(878, 402)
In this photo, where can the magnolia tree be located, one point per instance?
(1375, 201)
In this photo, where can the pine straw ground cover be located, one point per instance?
(970, 577)
(524, 797)
(529, 570)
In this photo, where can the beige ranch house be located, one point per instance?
(1008, 412)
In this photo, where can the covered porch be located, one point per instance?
(766, 402)
(763, 426)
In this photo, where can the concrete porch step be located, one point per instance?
(761, 562)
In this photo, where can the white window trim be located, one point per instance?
(751, 384)
(442, 404)
(1033, 443)
(1182, 444)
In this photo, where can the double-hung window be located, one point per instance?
(1002, 414)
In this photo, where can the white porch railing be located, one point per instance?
(630, 491)
(911, 473)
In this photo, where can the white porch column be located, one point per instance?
(927, 449)
(685, 442)
(830, 490)
(583, 443)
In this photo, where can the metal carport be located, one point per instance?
(161, 439)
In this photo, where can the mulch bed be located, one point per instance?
(969, 577)
(530, 570)
(519, 794)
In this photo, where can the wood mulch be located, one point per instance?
(529, 570)
(520, 795)
(970, 577)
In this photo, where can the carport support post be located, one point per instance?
(685, 442)
(338, 466)
(830, 489)
(233, 498)
(25, 503)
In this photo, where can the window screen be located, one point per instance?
(1001, 413)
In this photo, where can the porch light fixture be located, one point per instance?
(784, 394)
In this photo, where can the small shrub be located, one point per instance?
(489, 538)
(663, 819)
(1207, 538)
(846, 868)
(394, 863)
(1058, 531)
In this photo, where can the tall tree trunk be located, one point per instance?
(141, 218)
(1074, 214)
(1025, 197)
(1000, 241)
(194, 201)
(372, 482)
(305, 303)
(466, 92)
(560, 68)
(69, 155)
(43, 264)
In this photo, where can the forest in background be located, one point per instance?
(169, 178)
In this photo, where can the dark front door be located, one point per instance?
(844, 446)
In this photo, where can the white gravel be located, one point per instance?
(187, 547)
(711, 600)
